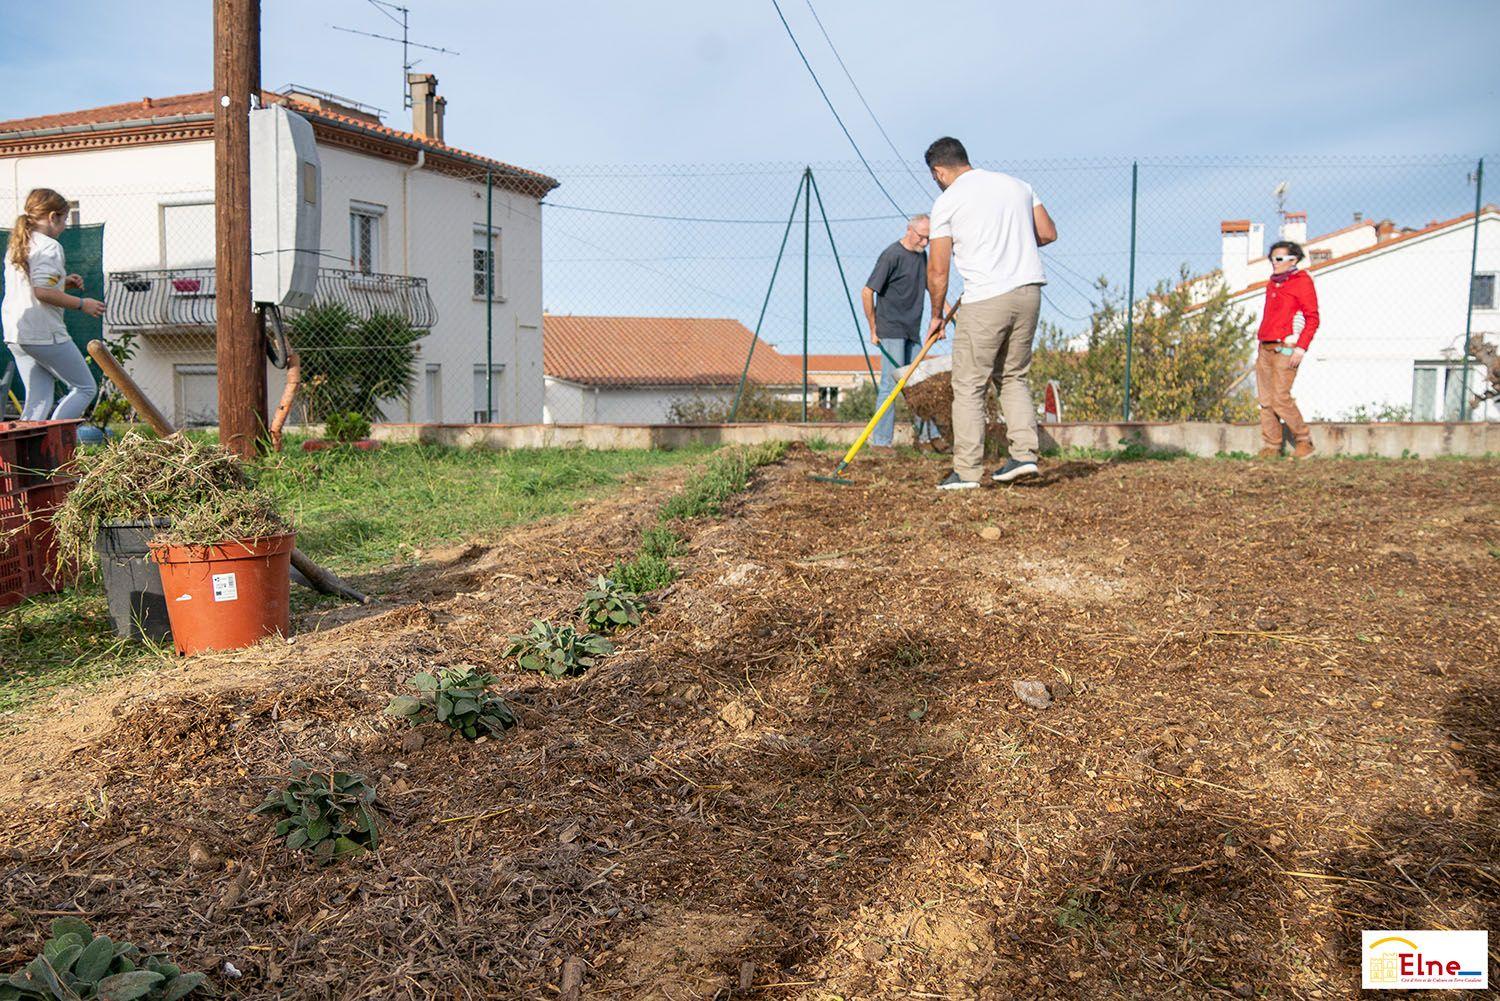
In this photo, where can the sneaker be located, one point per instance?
(1303, 450)
(1269, 452)
(955, 482)
(1014, 469)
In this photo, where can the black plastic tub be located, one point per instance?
(132, 583)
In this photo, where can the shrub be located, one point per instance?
(727, 473)
(557, 650)
(647, 572)
(1376, 413)
(77, 965)
(457, 698)
(662, 542)
(607, 606)
(351, 365)
(347, 427)
(859, 403)
(330, 814)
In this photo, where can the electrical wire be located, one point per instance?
(922, 188)
(704, 219)
(826, 100)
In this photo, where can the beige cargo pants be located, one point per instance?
(993, 342)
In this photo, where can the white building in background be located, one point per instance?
(403, 230)
(1393, 305)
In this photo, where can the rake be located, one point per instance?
(864, 436)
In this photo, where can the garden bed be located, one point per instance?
(807, 772)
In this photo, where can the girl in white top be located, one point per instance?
(32, 313)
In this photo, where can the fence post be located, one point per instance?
(1463, 396)
(755, 337)
(1130, 291)
(859, 332)
(806, 246)
(489, 298)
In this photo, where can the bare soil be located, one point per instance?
(807, 776)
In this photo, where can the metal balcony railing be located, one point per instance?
(183, 298)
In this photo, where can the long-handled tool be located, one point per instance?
(322, 580)
(864, 435)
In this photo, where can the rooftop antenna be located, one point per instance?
(390, 10)
(1280, 194)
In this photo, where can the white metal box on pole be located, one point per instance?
(285, 209)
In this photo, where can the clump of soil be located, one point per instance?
(932, 399)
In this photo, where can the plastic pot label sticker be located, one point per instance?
(226, 588)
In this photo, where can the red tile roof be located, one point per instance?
(843, 363)
(326, 123)
(658, 351)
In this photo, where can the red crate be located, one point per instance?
(32, 452)
(28, 546)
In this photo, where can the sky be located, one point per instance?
(1366, 106)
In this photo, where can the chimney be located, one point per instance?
(1242, 241)
(423, 104)
(439, 106)
(1294, 227)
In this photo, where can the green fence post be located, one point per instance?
(755, 338)
(1130, 291)
(806, 245)
(1463, 396)
(859, 332)
(489, 298)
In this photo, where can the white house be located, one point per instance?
(403, 231)
(837, 375)
(1393, 302)
(634, 369)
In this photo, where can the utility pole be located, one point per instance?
(241, 351)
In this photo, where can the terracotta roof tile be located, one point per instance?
(842, 363)
(658, 351)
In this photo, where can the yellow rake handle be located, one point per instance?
(864, 436)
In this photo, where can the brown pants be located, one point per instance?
(992, 343)
(1273, 389)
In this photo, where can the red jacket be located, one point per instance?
(1284, 300)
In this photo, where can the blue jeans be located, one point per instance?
(41, 367)
(904, 352)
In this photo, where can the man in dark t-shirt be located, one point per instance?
(893, 297)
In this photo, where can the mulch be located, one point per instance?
(808, 774)
(932, 399)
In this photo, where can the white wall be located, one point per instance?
(570, 403)
(426, 231)
(1386, 310)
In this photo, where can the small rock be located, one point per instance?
(1033, 693)
(989, 533)
(737, 716)
(1244, 991)
(872, 952)
(1059, 689)
(412, 742)
(199, 857)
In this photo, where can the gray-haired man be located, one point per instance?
(893, 306)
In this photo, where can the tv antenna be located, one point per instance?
(390, 11)
(1280, 194)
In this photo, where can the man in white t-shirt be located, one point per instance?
(991, 226)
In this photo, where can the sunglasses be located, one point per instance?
(1283, 258)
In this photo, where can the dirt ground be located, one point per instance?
(807, 776)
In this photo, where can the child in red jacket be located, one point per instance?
(1289, 294)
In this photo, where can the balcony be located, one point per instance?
(182, 299)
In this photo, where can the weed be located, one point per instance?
(457, 698)
(607, 606)
(557, 650)
(662, 542)
(330, 814)
(647, 572)
(1235, 455)
(1078, 913)
(347, 427)
(727, 473)
(77, 965)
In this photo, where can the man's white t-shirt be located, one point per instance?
(27, 321)
(989, 217)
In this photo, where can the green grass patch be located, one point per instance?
(355, 512)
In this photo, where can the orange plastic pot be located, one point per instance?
(227, 596)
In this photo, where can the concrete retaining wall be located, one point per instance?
(1424, 440)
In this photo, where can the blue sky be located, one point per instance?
(1036, 88)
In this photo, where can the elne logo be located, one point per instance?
(1424, 960)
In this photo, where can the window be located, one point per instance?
(482, 414)
(1482, 292)
(1437, 390)
(485, 258)
(828, 397)
(434, 394)
(364, 237)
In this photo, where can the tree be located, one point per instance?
(350, 365)
(1191, 359)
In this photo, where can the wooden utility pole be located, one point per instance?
(241, 343)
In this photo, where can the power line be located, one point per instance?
(850, 77)
(704, 219)
(857, 152)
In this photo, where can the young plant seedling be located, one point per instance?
(330, 814)
(557, 650)
(77, 965)
(607, 606)
(456, 697)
